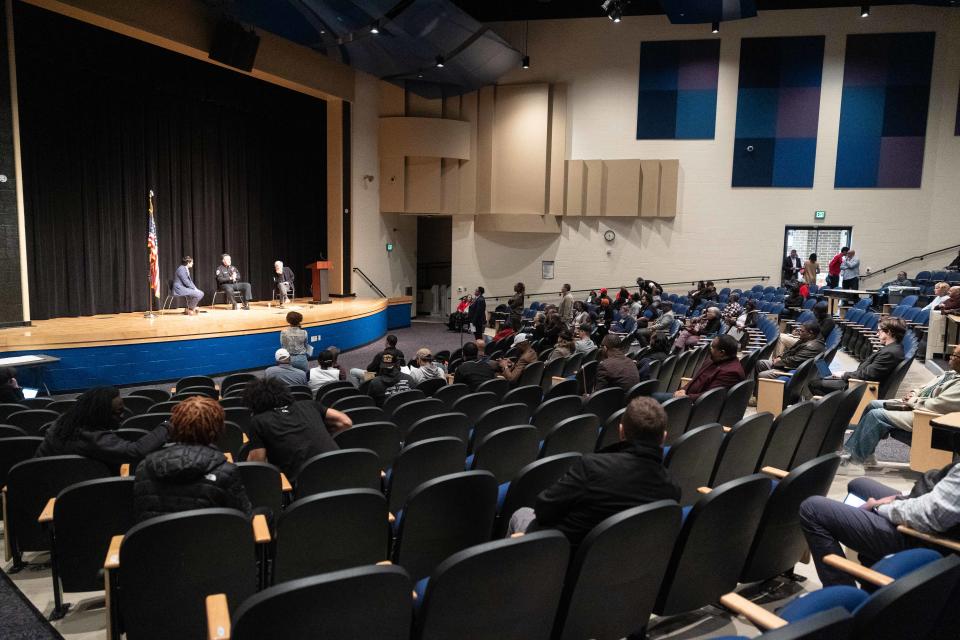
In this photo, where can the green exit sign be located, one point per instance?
(389, 246)
(820, 215)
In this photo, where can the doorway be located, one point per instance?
(434, 245)
(823, 241)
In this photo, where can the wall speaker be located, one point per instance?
(234, 46)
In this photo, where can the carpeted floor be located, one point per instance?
(19, 619)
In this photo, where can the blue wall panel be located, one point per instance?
(398, 316)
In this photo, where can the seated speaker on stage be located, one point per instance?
(183, 286)
(228, 278)
(282, 282)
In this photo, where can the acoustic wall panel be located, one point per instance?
(883, 112)
(778, 107)
(678, 89)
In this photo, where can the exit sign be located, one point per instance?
(819, 215)
(389, 246)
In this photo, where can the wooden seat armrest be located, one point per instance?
(766, 381)
(47, 514)
(391, 518)
(704, 490)
(228, 456)
(218, 617)
(727, 429)
(932, 538)
(384, 563)
(857, 570)
(684, 382)
(285, 485)
(261, 532)
(125, 470)
(776, 473)
(112, 561)
(756, 614)
(517, 534)
(245, 438)
(789, 374)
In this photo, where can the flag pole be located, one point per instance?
(150, 291)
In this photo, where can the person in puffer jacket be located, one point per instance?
(190, 473)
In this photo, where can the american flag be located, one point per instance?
(152, 247)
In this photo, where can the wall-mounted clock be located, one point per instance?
(609, 235)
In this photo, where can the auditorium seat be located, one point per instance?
(616, 572)
(363, 602)
(474, 404)
(62, 406)
(336, 470)
(785, 435)
(551, 370)
(331, 385)
(241, 416)
(824, 411)
(29, 486)
(678, 415)
(30, 420)
(498, 417)
(145, 421)
(135, 405)
(712, 545)
(576, 434)
(328, 397)
(741, 448)
(523, 490)
(706, 408)
(735, 404)
(194, 381)
(442, 516)
(450, 393)
(130, 435)
(667, 367)
(420, 462)
(165, 406)
(235, 379)
(610, 431)
(530, 395)
(177, 560)
(497, 386)
(431, 386)
(263, 485)
(691, 459)
(450, 424)
(330, 531)
(776, 394)
(587, 376)
(645, 388)
(383, 438)
(560, 389)
(852, 397)
(404, 415)
(485, 592)
(604, 403)
(353, 402)
(8, 408)
(572, 364)
(833, 624)
(779, 543)
(81, 520)
(551, 412)
(364, 415)
(189, 392)
(505, 451)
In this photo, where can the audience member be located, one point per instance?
(615, 369)
(708, 323)
(513, 370)
(191, 473)
(623, 475)
(811, 269)
(882, 295)
(294, 339)
(389, 379)
(584, 343)
(10, 390)
(183, 286)
(324, 372)
(477, 314)
(732, 310)
(792, 302)
(566, 305)
(722, 370)
(473, 372)
(357, 376)
(580, 314)
(871, 529)
(940, 295)
(850, 270)
(505, 332)
(286, 433)
(952, 303)
(516, 304)
(425, 368)
(459, 317)
(565, 347)
(88, 429)
(808, 345)
(791, 267)
(284, 371)
(664, 323)
(877, 367)
(481, 349)
(941, 395)
(834, 268)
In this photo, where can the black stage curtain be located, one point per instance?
(237, 165)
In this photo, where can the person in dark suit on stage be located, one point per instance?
(282, 281)
(477, 314)
(183, 286)
(228, 278)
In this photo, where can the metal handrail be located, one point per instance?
(920, 257)
(617, 287)
(369, 281)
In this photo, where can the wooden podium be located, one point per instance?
(321, 294)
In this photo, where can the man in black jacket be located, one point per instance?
(477, 314)
(627, 474)
(808, 345)
(791, 267)
(474, 371)
(877, 367)
(390, 380)
(228, 279)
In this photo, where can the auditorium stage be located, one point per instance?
(126, 348)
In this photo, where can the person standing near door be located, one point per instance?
(850, 270)
(791, 267)
(833, 269)
(810, 270)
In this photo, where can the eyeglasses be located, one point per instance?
(955, 355)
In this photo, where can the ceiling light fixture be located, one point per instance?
(526, 62)
(375, 28)
(715, 28)
(865, 11)
(613, 9)
(440, 62)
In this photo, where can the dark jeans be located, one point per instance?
(242, 287)
(823, 386)
(827, 523)
(833, 281)
(661, 396)
(852, 283)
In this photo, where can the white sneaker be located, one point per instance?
(850, 468)
(871, 461)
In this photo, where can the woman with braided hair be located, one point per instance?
(190, 473)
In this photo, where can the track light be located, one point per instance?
(526, 62)
(440, 62)
(375, 28)
(715, 28)
(865, 11)
(613, 9)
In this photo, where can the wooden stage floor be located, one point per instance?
(219, 321)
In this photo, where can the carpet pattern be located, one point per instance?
(19, 619)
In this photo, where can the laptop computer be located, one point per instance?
(29, 392)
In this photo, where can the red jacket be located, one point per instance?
(834, 267)
(713, 375)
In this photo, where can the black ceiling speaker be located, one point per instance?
(706, 11)
(234, 46)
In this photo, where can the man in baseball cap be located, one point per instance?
(284, 371)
